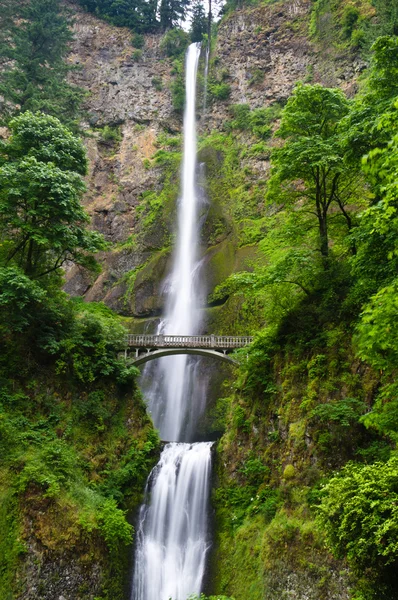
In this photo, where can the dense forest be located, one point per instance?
(305, 494)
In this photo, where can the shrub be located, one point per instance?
(111, 134)
(138, 40)
(220, 91)
(178, 94)
(257, 77)
(113, 525)
(174, 43)
(359, 514)
(344, 412)
(19, 300)
(349, 20)
(157, 83)
(137, 55)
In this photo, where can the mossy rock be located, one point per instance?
(219, 263)
(211, 157)
(145, 298)
(289, 472)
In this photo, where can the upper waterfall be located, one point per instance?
(171, 411)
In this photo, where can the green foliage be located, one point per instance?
(257, 121)
(136, 55)
(199, 21)
(220, 91)
(344, 412)
(349, 20)
(172, 13)
(33, 52)
(174, 43)
(177, 86)
(41, 216)
(138, 15)
(313, 155)
(90, 350)
(359, 514)
(138, 41)
(377, 331)
(157, 83)
(19, 300)
(113, 525)
(111, 134)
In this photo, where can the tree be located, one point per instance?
(32, 49)
(310, 170)
(387, 18)
(172, 12)
(41, 219)
(199, 22)
(365, 126)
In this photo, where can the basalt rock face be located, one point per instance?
(262, 52)
(128, 105)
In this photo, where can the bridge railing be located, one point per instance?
(188, 341)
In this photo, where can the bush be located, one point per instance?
(137, 55)
(19, 300)
(90, 350)
(178, 94)
(111, 134)
(220, 91)
(113, 525)
(138, 41)
(359, 514)
(256, 121)
(349, 20)
(343, 412)
(157, 83)
(174, 43)
(257, 77)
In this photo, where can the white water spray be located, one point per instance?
(172, 535)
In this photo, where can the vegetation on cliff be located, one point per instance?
(34, 42)
(76, 443)
(318, 391)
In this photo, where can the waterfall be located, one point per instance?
(206, 77)
(173, 539)
(172, 533)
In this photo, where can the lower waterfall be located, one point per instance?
(172, 536)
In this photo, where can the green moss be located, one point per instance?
(289, 472)
(11, 544)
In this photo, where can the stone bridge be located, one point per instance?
(149, 347)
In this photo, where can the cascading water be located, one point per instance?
(206, 78)
(173, 541)
(172, 536)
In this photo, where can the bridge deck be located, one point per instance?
(223, 342)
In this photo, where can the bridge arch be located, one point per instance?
(153, 354)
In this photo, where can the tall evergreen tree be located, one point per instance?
(172, 12)
(387, 17)
(34, 44)
(199, 21)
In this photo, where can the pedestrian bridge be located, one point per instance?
(142, 348)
